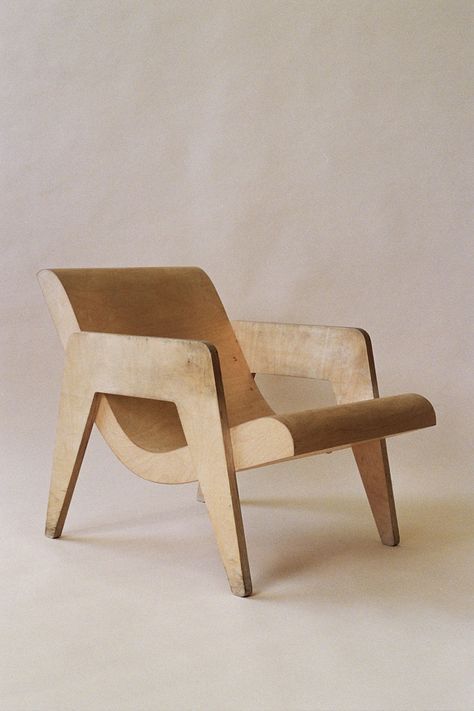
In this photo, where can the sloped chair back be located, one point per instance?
(169, 302)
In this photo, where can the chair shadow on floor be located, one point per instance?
(435, 536)
(330, 552)
(420, 516)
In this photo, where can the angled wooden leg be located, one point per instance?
(223, 504)
(372, 460)
(209, 441)
(76, 416)
(212, 456)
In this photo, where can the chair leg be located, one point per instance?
(200, 495)
(372, 461)
(76, 417)
(223, 504)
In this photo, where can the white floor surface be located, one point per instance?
(130, 610)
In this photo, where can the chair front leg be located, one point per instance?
(374, 469)
(77, 411)
(208, 437)
(219, 487)
(371, 457)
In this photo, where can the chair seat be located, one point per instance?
(297, 434)
(162, 454)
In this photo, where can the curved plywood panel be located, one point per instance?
(254, 443)
(170, 302)
(166, 467)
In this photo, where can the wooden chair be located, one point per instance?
(153, 360)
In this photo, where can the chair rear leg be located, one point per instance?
(372, 461)
(76, 417)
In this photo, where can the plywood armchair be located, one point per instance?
(153, 360)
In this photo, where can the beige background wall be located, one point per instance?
(313, 157)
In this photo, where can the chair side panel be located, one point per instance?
(169, 302)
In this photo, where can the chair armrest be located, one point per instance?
(185, 372)
(141, 366)
(338, 354)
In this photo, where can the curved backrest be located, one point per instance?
(171, 302)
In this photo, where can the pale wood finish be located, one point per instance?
(146, 435)
(187, 372)
(152, 357)
(338, 354)
(344, 357)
